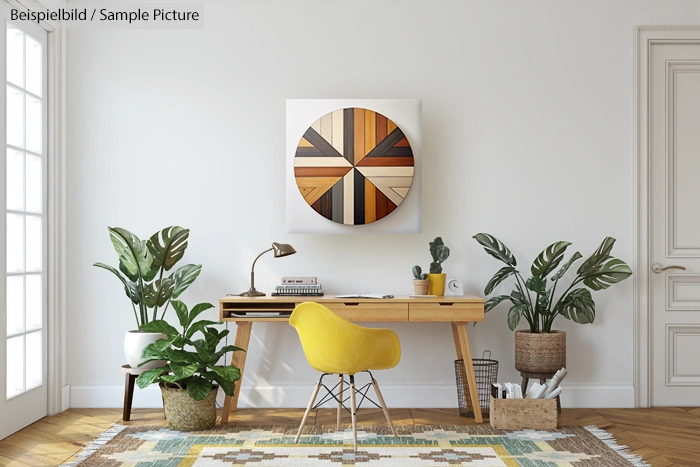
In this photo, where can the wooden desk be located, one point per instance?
(459, 311)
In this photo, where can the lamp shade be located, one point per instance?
(282, 249)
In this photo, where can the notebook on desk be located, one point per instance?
(365, 295)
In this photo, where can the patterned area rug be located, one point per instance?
(416, 446)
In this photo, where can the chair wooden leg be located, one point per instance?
(340, 399)
(353, 411)
(308, 409)
(384, 408)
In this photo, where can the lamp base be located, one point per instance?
(252, 293)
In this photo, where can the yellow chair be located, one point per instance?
(335, 346)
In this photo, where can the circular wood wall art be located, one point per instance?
(354, 166)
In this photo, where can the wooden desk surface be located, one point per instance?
(401, 308)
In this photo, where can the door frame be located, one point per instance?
(58, 399)
(645, 37)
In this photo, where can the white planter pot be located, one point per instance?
(134, 343)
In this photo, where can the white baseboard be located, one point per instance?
(396, 395)
(65, 398)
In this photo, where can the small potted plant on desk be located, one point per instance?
(540, 349)
(420, 281)
(190, 379)
(440, 253)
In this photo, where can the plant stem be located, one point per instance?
(165, 308)
(555, 309)
(530, 316)
(142, 305)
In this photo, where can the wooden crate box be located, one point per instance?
(518, 414)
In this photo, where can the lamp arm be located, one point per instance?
(252, 268)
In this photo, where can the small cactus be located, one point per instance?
(418, 273)
(440, 253)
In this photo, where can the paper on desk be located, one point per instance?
(366, 295)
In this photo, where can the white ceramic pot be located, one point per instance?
(134, 343)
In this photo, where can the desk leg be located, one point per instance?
(469, 368)
(238, 359)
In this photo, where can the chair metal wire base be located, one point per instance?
(341, 399)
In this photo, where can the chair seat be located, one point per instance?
(334, 345)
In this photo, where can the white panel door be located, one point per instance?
(23, 388)
(674, 151)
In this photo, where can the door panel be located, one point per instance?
(23, 245)
(674, 139)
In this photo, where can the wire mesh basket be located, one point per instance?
(486, 372)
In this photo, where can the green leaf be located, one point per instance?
(161, 326)
(549, 259)
(199, 326)
(183, 371)
(158, 292)
(578, 306)
(198, 388)
(560, 273)
(181, 311)
(514, 316)
(226, 349)
(213, 338)
(184, 277)
(162, 344)
(133, 253)
(492, 302)
(168, 247)
(496, 248)
(517, 298)
(203, 351)
(228, 386)
(542, 305)
(597, 258)
(129, 287)
(197, 310)
(610, 272)
(537, 285)
(501, 275)
(149, 376)
(228, 373)
(183, 357)
(151, 351)
(170, 378)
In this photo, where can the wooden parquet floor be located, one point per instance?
(662, 436)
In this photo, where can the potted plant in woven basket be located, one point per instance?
(540, 349)
(190, 379)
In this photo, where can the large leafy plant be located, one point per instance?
(196, 369)
(143, 264)
(534, 298)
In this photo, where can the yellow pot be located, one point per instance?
(437, 284)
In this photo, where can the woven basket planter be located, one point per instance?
(186, 414)
(540, 352)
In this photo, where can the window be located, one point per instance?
(25, 211)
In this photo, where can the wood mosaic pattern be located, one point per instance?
(354, 166)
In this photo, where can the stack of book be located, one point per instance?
(299, 286)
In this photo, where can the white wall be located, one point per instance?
(527, 134)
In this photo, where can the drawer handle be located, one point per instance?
(352, 303)
(446, 304)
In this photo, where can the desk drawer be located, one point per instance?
(353, 310)
(446, 311)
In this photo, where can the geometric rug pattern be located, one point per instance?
(416, 446)
(354, 166)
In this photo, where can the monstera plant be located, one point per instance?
(143, 265)
(536, 298)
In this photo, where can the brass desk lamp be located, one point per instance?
(280, 249)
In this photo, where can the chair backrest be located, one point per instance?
(334, 345)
